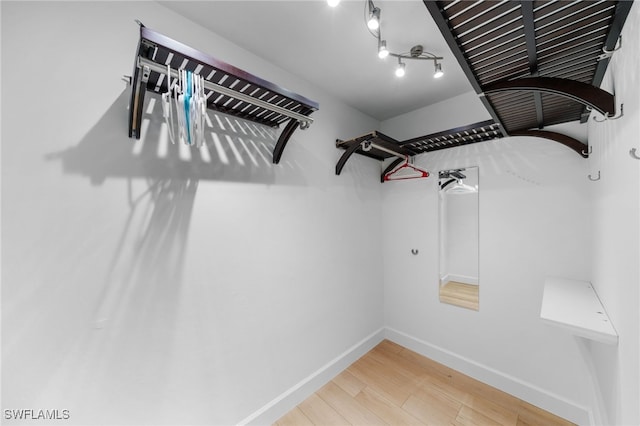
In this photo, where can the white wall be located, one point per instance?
(534, 222)
(616, 230)
(146, 290)
(458, 111)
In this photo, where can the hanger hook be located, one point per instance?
(595, 179)
(588, 152)
(633, 154)
(606, 54)
(608, 117)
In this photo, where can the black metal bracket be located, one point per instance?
(565, 140)
(591, 96)
(138, 91)
(390, 167)
(283, 139)
(374, 145)
(353, 147)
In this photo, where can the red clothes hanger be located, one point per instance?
(406, 171)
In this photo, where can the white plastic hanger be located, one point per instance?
(202, 107)
(167, 112)
(180, 112)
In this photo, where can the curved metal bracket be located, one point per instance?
(283, 139)
(390, 167)
(633, 154)
(136, 101)
(588, 153)
(565, 140)
(607, 117)
(591, 96)
(291, 127)
(345, 156)
(594, 179)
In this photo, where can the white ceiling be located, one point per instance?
(332, 48)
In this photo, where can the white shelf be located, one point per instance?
(574, 306)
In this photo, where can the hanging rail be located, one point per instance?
(302, 119)
(368, 145)
(381, 147)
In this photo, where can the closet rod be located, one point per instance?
(230, 92)
(382, 148)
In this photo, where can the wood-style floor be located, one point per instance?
(392, 385)
(460, 294)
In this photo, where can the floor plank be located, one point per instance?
(293, 418)
(380, 379)
(385, 409)
(469, 417)
(531, 415)
(319, 412)
(349, 383)
(429, 412)
(349, 408)
(393, 385)
(494, 411)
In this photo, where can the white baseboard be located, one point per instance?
(526, 391)
(282, 404)
(465, 279)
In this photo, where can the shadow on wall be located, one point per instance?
(235, 150)
(137, 303)
(140, 299)
(163, 214)
(162, 180)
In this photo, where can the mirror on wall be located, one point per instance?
(458, 194)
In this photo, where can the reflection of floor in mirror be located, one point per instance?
(460, 294)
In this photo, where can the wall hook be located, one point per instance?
(609, 53)
(633, 154)
(595, 179)
(607, 117)
(588, 152)
(414, 251)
